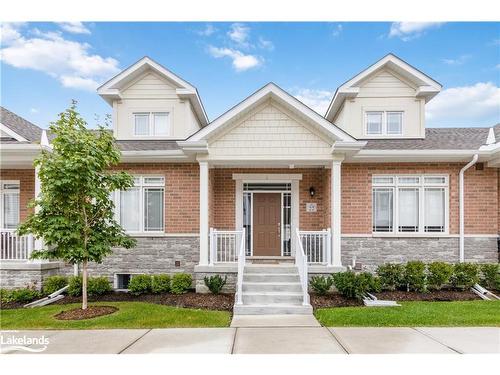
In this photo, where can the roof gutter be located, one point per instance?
(461, 203)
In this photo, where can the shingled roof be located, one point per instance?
(20, 126)
(436, 139)
(147, 145)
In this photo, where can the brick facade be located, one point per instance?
(26, 178)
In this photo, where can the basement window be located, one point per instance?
(122, 280)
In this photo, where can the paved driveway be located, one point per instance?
(247, 340)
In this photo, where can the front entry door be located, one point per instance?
(266, 224)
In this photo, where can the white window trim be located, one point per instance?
(421, 185)
(384, 132)
(2, 192)
(151, 125)
(141, 185)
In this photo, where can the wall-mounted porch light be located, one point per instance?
(312, 192)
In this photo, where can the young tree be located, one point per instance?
(74, 212)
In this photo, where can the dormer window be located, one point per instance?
(384, 122)
(151, 123)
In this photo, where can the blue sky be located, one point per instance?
(45, 65)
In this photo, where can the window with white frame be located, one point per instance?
(384, 122)
(410, 203)
(141, 208)
(152, 123)
(9, 204)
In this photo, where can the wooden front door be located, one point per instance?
(266, 224)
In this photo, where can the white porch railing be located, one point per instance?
(301, 263)
(224, 245)
(15, 247)
(317, 245)
(241, 269)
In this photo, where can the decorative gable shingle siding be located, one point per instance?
(481, 194)
(385, 84)
(270, 132)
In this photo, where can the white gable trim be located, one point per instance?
(110, 90)
(12, 133)
(281, 97)
(426, 86)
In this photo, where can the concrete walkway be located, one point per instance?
(269, 340)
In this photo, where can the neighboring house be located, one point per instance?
(363, 185)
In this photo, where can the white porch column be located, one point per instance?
(203, 213)
(335, 208)
(38, 189)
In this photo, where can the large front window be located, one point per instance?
(9, 204)
(410, 204)
(140, 208)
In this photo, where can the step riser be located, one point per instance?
(266, 299)
(271, 310)
(270, 269)
(256, 278)
(261, 287)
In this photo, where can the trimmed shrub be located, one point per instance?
(465, 275)
(54, 283)
(391, 275)
(353, 285)
(160, 283)
(96, 286)
(414, 276)
(321, 284)
(140, 284)
(490, 275)
(22, 295)
(438, 274)
(181, 283)
(215, 283)
(4, 295)
(75, 286)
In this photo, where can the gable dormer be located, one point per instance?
(386, 100)
(151, 102)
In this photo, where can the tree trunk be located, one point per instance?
(84, 285)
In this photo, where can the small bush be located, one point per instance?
(490, 275)
(140, 284)
(438, 274)
(160, 283)
(321, 284)
(465, 275)
(414, 276)
(96, 286)
(54, 283)
(75, 286)
(391, 275)
(4, 295)
(215, 283)
(22, 295)
(353, 285)
(181, 283)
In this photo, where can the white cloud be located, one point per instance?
(319, 100)
(410, 30)
(207, 31)
(9, 32)
(239, 34)
(467, 105)
(266, 44)
(241, 62)
(34, 110)
(337, 30)
(74, 27)
(458, 61)
(71, 63)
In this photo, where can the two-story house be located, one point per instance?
(272, 188)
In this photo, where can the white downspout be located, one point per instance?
(461, 203)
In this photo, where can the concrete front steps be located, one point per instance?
(271, 289)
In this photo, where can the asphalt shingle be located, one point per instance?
(23, 127)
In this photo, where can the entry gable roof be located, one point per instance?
(18, 128)
(110, 90)
(426, 86)
(271, 91)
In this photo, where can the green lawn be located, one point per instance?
(129, 315)
(458, 313)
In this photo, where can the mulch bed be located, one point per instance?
(189, 300)
(332, 300)
(434, 295)
(89, 313)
